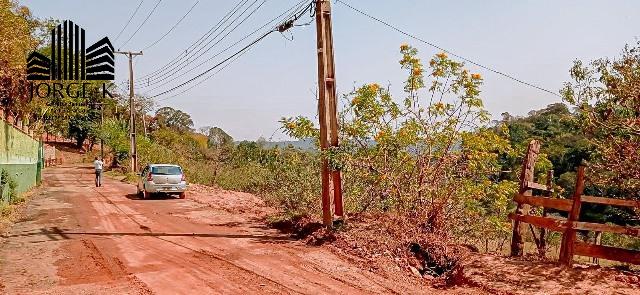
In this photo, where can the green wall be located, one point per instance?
(21, 156)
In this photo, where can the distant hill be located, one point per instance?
(306, 144)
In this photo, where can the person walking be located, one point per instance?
(97, 164)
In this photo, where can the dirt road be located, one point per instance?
(78, 239)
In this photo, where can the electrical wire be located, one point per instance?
(215, 66)
(178, 67)
(205, 78)
(175, 74)
(197, 43)
(295, 12)
(142, 24)
(172, 28)
(446, 50)
(240, 52)
(129, 21)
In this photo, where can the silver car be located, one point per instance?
(162, 178)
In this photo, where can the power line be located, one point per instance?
(178, 67)
(206, 35)
(172, 28)
(206, 78)
(215, 66)
(295, 12)
(129, 21)
(446, 50)
(175, 75)
(171, 79)
(142, 24)
(241, 51)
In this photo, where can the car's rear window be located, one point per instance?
(166, 170)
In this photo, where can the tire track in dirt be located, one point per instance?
(207, 254)
(107, 267)
(200, 252)
(108, 241)
(103, 269)
(304, 272)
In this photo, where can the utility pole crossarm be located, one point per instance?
(128, 53)
(132, 120)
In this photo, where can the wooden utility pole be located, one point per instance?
(526, 176)
(101, 125)
(132, 112)
(327, 112)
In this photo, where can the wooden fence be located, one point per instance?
(52, 162)
(570, 225)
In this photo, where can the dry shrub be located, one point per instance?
(423, 170)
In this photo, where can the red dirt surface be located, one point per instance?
(376, 242)
(75, 238)
(512, 276)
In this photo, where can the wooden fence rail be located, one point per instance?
(570, 225)
(52, 162)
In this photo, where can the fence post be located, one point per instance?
(542, 248)
(597, 241)
(569, 237)
(526, 175)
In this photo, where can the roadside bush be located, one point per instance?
(4, 179)
(8, 187)
(432, 157)
(115, 134)
(287, 178)
(250, 177)
(293, 184)
(8, 190)
(5, 209)
(13, 195)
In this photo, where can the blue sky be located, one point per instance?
(536, 41)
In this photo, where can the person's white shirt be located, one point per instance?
(98, 164)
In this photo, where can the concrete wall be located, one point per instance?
(20, 156)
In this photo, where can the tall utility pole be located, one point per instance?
(101, 125)
(132, 112)
(327, 112)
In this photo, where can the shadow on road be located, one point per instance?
(136, 197)
(133, 197)
(55, 234)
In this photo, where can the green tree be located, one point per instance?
(20, 33)
(167, 117)
(430, 157)
(563, 148)
(218, 138)
(115, 135)
(605, 93)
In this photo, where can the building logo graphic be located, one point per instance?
(70, 60)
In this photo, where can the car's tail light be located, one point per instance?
(150, 177)
(184, 178)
